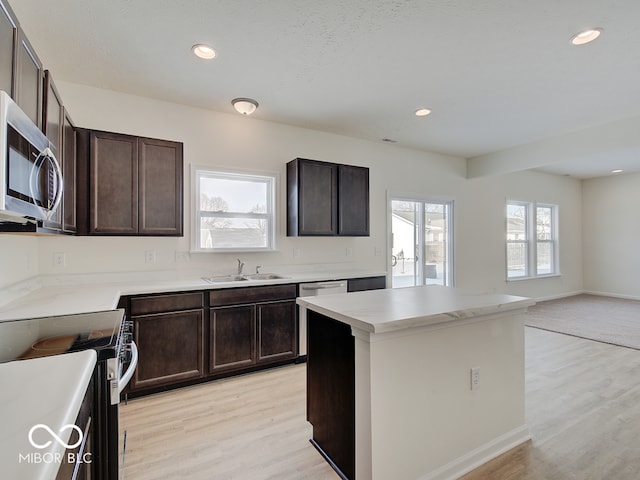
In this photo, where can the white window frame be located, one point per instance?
(268, 178)
(423, 200)
(531, 241)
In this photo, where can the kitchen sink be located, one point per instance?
(226, 278)
(265, 276)
(243, 278)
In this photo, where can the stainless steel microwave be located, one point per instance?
(30, 176)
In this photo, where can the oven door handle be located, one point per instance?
(126, 377)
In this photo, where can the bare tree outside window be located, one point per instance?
(235, 211)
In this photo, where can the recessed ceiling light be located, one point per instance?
(619, 170)
(586, 36)
(422, 112)
(203, 51)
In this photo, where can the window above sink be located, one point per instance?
(234, 211)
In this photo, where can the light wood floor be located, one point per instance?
(583, 411)
(243, 428)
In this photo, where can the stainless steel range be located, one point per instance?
(110, 335)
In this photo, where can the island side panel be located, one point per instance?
(331, 391)
(426, 422)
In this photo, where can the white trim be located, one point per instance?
(273, 203)
(479, 456)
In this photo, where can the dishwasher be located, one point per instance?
(313, 290)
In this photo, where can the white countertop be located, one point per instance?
(47, 391)
(380, 311)
(71, 294)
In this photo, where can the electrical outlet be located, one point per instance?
(349, 252)
(296, 253)
(475, 378)
(59, 260)
(150, 256)
(182, 257)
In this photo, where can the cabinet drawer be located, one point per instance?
(368, 283)
(235, 296)
(166, 303)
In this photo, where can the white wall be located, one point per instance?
(611, 232)
(18, 258)
(232, 141)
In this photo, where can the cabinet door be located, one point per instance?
(69, 169)
(160, 187)
(113, 184)
(317, 197)
(232, 338)
(8, 38)
(170, 348)
(52, 120)
(277, 332)
(353, 201)
(28, 78)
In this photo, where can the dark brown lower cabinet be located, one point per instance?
(232, 341)
(189, 337)
(331, 391)
(252, 326)
(170, 344)
(77, 463)
(277, 331)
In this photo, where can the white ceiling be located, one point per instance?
(497, 74)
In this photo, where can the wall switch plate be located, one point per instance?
(150, 256)
(296, 253)
(349, 252)
(475, 378)
(59, 260)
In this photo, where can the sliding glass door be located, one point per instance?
(422, 242)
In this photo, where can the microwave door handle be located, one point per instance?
(58, 173)
(46, 154)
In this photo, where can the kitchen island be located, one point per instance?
(415, 383)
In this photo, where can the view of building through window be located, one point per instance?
(234, 211)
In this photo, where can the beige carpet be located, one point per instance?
(604, 319)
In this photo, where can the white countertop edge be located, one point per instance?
(68, 376)
(364, 320)
(72, 294)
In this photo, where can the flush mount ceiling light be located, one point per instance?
(619, 170)
(422, 112)
(203, 51)
(245, 106)
(586, 36)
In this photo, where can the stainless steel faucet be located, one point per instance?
(240, 265)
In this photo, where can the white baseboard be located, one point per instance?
(558, 296)
(614, 295)
(479, 456)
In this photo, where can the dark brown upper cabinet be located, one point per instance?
(327, 199)
(28, 80)
(52, 120)
(20, 68)
(69, 201)
(8, 41)
(129, 185)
